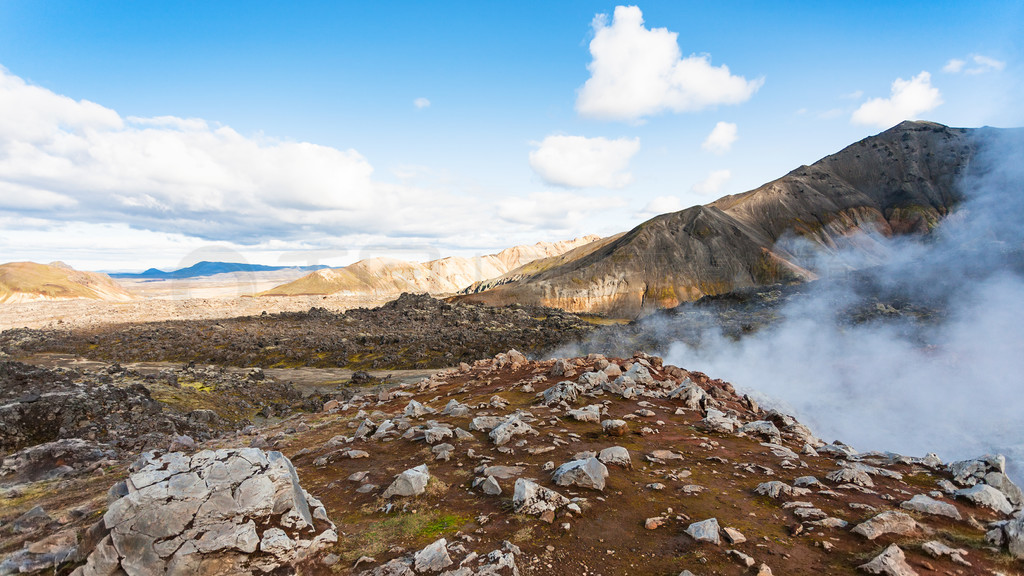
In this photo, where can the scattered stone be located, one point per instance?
(534, 499)
(926, 505)
(986, 496)
(616, 455)
(433, 558)
(615, 427)
(937, 549)
(889, 522)
(490, 486)
(704, 531)
(589, 473)
(412, 482)
(891, 562)
(734, 536)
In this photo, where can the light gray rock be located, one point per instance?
(591, 380)
(639, 374)
(455, 408)
(986, 496)
(433, 558)
(412, 482)
(851, 475)
(442, 452)
(717, 421)
(616, 455)
(589, 473)
(705, 531)
(213, 508)
(563, 391)
(889, 522)
(774, 489)
(485, 423)
(490, 486)
(763, 429)
(504, 432)
(927, 505)
(615, 427)
(891, 562)
(590, 413)
(435, 434)
(532, 498)
(415, 410)
(1013, 535)
(691, 395)
(937, 549)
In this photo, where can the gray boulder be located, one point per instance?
(616, 455)
(412, 482)
(184, 514)
(705, 531)
(534, 499)
(927, 505)
(891, 562)
(986, 496)
(589, 473)
(433, 558)
(890, 522)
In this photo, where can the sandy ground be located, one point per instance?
(199, 299)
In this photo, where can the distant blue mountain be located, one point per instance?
(210, 268)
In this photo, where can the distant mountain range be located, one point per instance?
(388, 276)
(205, 268)
(901, 181)
(29, 282)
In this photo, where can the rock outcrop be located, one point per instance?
(215, 512)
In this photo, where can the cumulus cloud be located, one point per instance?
(981, 64)
(907, 100)
(421, 103)
(581, 162)
(713, 184)
(721, 138)
(637, 71)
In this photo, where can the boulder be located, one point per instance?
(890, 522)
(415, 409)
(590, 413)
(589, 473)
(927, 505)
(717, 421)
(616, 455)
(412, 482)
(763, 429)
(564, 391)
(233, 509)
(534, 499)
(504, 432)
(705, 531)
(433, 558)
(615, 427)
(891, 562)
(986, 496)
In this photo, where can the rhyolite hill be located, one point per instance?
(901, 181)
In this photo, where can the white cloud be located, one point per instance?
(555, 211)
(982, 64)
(712, 185)
(907, 101)
(855, 95)
(580, 162)
(954, 66)
(721, 138)
(660, 205)
(420, 103)
(637, 72)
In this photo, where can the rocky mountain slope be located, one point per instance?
(590, 465)
(28, 282)
(383, 276)
(898, 182)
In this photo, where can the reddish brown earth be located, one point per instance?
(609, 537)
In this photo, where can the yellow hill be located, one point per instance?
(28, 282)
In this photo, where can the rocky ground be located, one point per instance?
(586, 465)
(414, 331)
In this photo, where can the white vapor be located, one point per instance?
(951, 386)
(580, 162)
(421, 103)
(907, 101)
(637, 72)
(721, 138)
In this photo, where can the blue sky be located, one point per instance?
(159, 133)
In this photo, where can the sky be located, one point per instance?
(159, 134)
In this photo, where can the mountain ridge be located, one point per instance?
(32, 282)
(900, 181)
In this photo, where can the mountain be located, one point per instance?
(29, 281)
(205, 268)
(381, 276)
(898, 182)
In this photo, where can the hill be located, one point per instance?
(901, 181)
(382, 276)
(206, 268)
(29, 281)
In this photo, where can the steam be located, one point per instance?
(941, 372)
(952, 385)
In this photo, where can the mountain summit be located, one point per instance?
(901, 181)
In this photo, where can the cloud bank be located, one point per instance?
(636, 72)
(580, 162)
